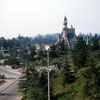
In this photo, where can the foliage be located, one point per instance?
(41, 54)
(1, 56)
(95, 43)
(81, 83)
(53, 51)
(80, 53)
(92, 74)
(61, 48)
(34, 84)
(66, 72)
(11, 61)
(31, 56)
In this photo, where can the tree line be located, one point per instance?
(78, 77)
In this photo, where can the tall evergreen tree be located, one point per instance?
(92, 76)
(53, 51)
(41, 54)
(61, 48)
(80, 53)
(66, 71)
(95, 45)
(35, 85)
(32, 54)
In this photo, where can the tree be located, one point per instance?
(32, 54)
(12, 61)
(95, 45)
(80, 53)
(53, 51)
(66, 72)
(81, 44)
(92, 76)
(1, 56)
(41, 54)
(35, 85)
(14, 51)
(61, 48)
(3, 43)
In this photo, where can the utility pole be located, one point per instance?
(48, 69)
(48, 75)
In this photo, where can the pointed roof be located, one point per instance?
(65, 18)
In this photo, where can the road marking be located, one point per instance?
(8, 86)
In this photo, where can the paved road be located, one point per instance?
(9, 73)
(9, 90)
(11, 93)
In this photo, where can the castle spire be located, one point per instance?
(65, 21)
(65, 28)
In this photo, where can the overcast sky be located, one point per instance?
(31, 17)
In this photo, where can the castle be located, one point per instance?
(68, 35)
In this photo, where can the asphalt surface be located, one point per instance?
(11, 93)
(9, 73)
(9, 90)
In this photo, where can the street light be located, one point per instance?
(48, 69)
(48, 75)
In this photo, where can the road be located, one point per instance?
(9, 90)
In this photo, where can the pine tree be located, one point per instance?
(32, 54)
(92, 82)
(61, 48)
(66, 72)
(41, 54)
(34, 84)
(53, 51)
(95, 45)
(80, 53)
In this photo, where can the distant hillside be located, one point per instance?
(48, 38)
(21, 40)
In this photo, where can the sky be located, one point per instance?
(32, 17)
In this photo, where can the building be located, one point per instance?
(68, 35)
(47, 46)
(5, 53)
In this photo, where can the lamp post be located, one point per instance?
(48, 75)
(48, 69)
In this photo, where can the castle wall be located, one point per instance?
(70, 33)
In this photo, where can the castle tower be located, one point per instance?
(64, 32)
(68, 35)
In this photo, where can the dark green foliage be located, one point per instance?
(61, 48)
(3, 43)
(41, 54)
(11, 61)
(92, 75)
(95, 45)
(80, 53)
(58, 50)
(53, 51)
(1, 56)
(47, 39)
(81, 44)
(31, 56)
(34, 84)
(81, 84)
(66, 71)
(37, 87)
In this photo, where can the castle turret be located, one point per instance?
(65, 21)
(68, 35)
(64, 33)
